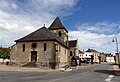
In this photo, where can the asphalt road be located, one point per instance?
(95, 73)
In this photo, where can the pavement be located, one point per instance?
(24, 69)
(32, 69)
(116, 70)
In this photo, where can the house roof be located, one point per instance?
(92, 50)
(57, 24)
(42, 34)
(81, 52)
(72, 43)
(108, 54)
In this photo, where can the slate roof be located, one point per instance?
(81, 52)
(92, 50)
(57, 24)
(42, 34)
(72, 43)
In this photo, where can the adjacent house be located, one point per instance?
(95, 54)
(44, 46)
(73, 45)
(87, 56)
(81, 55)
(109, 57)
(103, 57)
(74, 52)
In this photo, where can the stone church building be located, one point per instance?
(44, 46)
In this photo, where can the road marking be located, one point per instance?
(109, 78)
(54, 80)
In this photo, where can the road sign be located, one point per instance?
(47, 54)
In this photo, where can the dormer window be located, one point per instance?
(59, 33)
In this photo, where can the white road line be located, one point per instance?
(109, 78)
(54, 80)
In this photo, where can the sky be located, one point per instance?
(93, 22)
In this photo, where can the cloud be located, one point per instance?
(7, 5)
(97, 36)
(106, 28)
(20, 17)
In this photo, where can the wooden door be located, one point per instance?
(34, 56)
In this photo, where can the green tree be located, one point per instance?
(5, 54)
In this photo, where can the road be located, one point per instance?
(95, 73)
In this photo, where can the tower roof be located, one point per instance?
(57, 24)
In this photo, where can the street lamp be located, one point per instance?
(115, 40)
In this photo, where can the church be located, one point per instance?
(45, 46)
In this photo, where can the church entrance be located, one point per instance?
(34, 56)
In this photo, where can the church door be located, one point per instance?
(34, 56)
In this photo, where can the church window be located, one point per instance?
(23, 47)
(70, 53)
(59, 33)
(45, 46)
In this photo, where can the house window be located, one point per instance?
(59, 33)
(23, 47)
(45, 46)
(70, 53)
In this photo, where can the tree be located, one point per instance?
(4, 53)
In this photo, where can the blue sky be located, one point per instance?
(93, 22)
(92, 11)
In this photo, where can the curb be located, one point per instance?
(116, 70)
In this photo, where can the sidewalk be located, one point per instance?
(116, 70)
(23, 69)
(82, 66)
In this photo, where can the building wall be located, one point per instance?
(87, 55)
(61, 54)
(81, 55)
(75, 51)
(110, 59)
(13, 53)
(103, 57)
(96, 58)
(95, 54)
(64, 34)
(23, 57)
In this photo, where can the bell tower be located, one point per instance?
(59, 30)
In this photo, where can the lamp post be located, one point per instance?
(115, 40)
